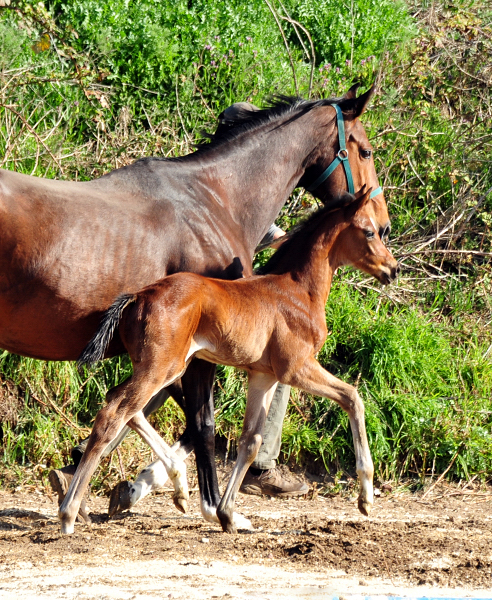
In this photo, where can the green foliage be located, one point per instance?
(92, 85)
(11, 44)
(353, 30)
(104, 69)
(427, 393)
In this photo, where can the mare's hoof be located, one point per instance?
(66, 528)
(364, 507)
(226, 520)
(120, 499)
(60, 480)
(181, 503)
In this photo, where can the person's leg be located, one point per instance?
(272, 431)
(263, 477)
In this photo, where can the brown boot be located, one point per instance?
(272, 483)
(60, 480)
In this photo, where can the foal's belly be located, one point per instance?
(241, 353)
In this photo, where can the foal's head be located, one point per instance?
(359, 242)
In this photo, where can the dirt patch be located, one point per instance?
(443, 545)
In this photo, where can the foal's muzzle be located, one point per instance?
(390, 275)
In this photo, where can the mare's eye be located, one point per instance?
(366, 153)
(369, 234)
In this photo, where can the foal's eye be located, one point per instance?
(369, 234)
(366, 153)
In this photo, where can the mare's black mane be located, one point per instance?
(304, 229)
(248, 120)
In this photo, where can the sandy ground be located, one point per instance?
(318, 548)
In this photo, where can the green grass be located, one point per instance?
(123, 80)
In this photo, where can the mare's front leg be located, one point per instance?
(261, 387)
(123, 402)
(197, 384)
(312, 378)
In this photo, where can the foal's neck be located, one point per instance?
(311, 257)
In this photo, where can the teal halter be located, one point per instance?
(341, 157)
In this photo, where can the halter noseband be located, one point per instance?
(341, 157)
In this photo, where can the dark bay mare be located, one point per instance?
(271, 324)
(68, 249)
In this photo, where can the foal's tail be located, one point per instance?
(96, 348)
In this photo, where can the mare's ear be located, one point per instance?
(352, 92)
(353, 107)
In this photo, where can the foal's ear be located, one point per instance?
(360, 200)
(353, 107)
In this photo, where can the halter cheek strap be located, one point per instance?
(341, 157)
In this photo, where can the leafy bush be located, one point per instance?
(91, 85)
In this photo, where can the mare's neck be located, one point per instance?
(257, 171)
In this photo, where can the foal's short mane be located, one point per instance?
(303, 230)
(248, 120)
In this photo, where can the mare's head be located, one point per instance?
(333, 165)
(359, 242)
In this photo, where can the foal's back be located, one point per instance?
(243, 323)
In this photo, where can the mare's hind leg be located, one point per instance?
(312, 378)
(261, 388)
(124, 402)
(175, 467)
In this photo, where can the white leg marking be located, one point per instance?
(151, 479)
(210, 514)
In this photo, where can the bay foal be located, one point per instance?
(271, 324)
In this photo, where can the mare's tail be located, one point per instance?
(96, 348)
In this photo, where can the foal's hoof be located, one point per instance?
(180, 503)
(364, 507)
(120, 498)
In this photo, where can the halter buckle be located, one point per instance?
(342, 154)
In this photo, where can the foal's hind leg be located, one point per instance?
(312, 378)
(153, 477)
(175, 467)
(124, 402)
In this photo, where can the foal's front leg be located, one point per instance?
(313, 379)
(261, 388)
